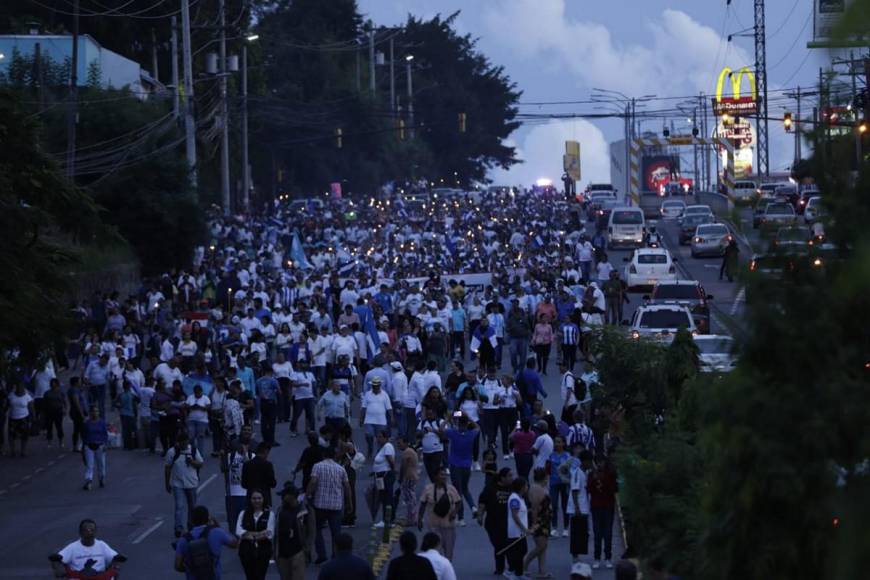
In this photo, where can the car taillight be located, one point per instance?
(632, 269)
(728, 238)
(752, 266)
(635, 334)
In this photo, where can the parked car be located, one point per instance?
(710, 240)
(688, 293)
(647, 266)
(716, 353)
(660, 321)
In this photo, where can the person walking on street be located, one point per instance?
(729, 261)
(255, 529)
(602, 487)
(181, 476)
(329, 493)
(522, 442)
(578, 502)
(615, 296)
(408, 478)
(289, 535)
(198, 558)
(53, 409)
(410, 564)
(197, 406)
(441, 564)
(384, 472)
(95, 436)
(267, 391)
(97, 378)
(21, 414)
(569, 333)
(540, 512)
(542, 342)
(431, 434)
(78, 410)
(492, 514)
(558, 487)
(517, 528)
(461, 435)
(439, 505)
(232, 464)
(517, 330)
(259, 474)
(376, 409)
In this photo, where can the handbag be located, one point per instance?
(442, 504)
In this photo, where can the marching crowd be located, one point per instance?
(405, 340)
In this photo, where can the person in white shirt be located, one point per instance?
(429, 550)
(198, 406)
(86, 552)
(430, 433)
(283, 371)
(345, 344)
(543, 446)
(168, 372)
(517, 527)
(578, 500)
(375, 415)
(303, 396)
(604, 268)
(255, 529)
(149, 423)
(383, 468)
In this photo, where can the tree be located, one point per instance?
(41, 216)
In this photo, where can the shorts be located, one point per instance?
(19, 428)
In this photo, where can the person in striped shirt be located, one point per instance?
(570, 335)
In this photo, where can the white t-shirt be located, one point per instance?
(472, 409)
(18, 405)
(344, 345)
(376, 406)
(282, 370)
(198, 415)
(578, 483)
(303, 385)
(235, 462)
(431, 441)
(76, 555)
(544, 445)
(145, 396)
(515, 502)
(604, 270)
(381, 464)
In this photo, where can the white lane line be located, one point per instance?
(148, 532)
(26, 477)
(14, 485)
(714, 266)
(38, 470)
(206, 482)
(741, 297)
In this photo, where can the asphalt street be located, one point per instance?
(41, 500)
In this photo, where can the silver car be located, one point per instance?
(673, 208)
(710, 240)
(716, 353)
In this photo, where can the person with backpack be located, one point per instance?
(181, 474)
(573, 392)
(198, 552)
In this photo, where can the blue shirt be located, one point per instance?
(267, 388)
(385, 301)
(217, 537)
(557, 459)
(95, 432)
(458, 318)
(97, 374)
(246, 376)
(127, 404)
(531, 385)
(461, 446)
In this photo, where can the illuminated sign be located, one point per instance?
(736, 105)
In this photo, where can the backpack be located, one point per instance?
(200, 562)
(579, 390)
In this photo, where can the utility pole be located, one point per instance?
(358, 72)
(392, 79)
(189, 121)
(705, 149)
(226, 201)
(173, 44)
(628, 143)
(797, 131)
(372, 61)
(72, 113)
(154, 72)
(695, 132)
(246, 169)
(37, 73)
(761, 87)
(408, 61)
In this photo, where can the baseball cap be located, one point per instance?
(581, 569)
(396, 365)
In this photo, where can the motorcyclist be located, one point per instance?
(87, 557)
(653, 240)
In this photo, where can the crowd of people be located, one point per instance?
(410, 337)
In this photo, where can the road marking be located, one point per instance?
(741, 297)
(714, 266)
(38, 470)
(14, 485)
(26, 477)
(206, 482)
(148, 532)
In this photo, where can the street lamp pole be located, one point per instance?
(392, 79)
(408, 60)
(226, 200)
(246, 168)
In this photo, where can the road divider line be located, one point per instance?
(148, 532)
(741, 297)
(206, 482)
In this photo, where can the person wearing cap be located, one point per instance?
(375, 412)
(581, 571)
(289, 535)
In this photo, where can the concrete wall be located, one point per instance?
(719, 203)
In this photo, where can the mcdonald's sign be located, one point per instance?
(736, 105)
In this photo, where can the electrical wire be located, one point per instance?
(91, 14)
(797, 37)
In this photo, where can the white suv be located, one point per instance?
(661, 321)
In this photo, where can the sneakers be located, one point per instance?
(462, 523)
(475, 466)
(608, 564)
(509, 575)
(88, 486)
(566, 534)
(596, 564)
(554, 533)
(378, 525)
(506, 456)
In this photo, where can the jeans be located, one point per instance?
(54, 419)
(410, 421)
(498, 539)
(337, 423)
(97, 396)
(569, 355)
(557, 491)
(371, 430)
(459, 477)
(216, 426)
(542, 357)
(268, 417)
(516, 554)
(285, 399)
(95, 457)
(524, 464)
(332, 518)
(602, 528)
(519, 348)
(128, 431)
(585, 269)
(387, 497)
(300, 406)
(614, 310)
(457, 343)
(185, 501)
(196, 430)
(78, 423)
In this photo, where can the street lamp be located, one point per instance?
(246, 167)
(252, 37)
(409, 58)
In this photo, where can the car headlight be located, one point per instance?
(635, 334)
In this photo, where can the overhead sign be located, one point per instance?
(826, 16)
(736, 105)
(571, 160)
(740, 131)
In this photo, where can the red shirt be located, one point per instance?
(523, 441)
(602, 488)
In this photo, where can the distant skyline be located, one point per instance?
(558, 50)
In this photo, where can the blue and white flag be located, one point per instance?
(539, 241)
(297, 254)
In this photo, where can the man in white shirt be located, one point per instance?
(542, 447)
(86, 549)
(345, 344)
(578, 502)
(168, 372)
(198, 406)
(429, 550)
(375, 415)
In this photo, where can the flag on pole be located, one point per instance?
(297, 254)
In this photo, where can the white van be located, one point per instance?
(625, 227)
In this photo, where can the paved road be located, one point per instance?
(41, 501)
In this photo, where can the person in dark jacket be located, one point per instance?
(729, 261)
(259, 474)
(345, 565)
(409, 564)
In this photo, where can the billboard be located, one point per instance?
(571, 160)
(826, 15)
(742, 134)
(737, 104)
(657, 170)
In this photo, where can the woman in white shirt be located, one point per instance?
(283, 340)
(255, 529)
(383, 468)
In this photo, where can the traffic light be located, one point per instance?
(462, 119)
(666, 132)
(862, 126)
(338, 140)
(787, 122)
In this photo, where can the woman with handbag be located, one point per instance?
(255, 529)
(439, 505)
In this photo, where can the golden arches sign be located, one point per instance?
(736, 105)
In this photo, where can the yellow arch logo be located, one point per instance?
(736, 81)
